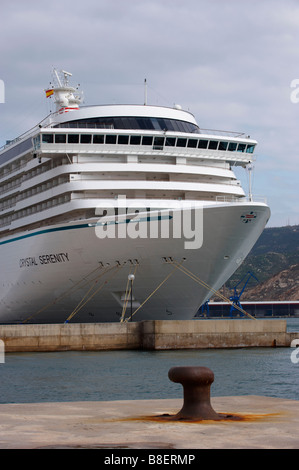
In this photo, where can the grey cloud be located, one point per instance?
(230, 63)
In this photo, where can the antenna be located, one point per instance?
(66, 96)
(250, 168)
(66, 75)
(57, 77)
(145, 92)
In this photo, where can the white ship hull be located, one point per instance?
(67, 272)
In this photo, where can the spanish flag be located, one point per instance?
(49, 92)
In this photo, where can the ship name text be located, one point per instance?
(44, 259)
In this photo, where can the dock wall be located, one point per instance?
(147, 335)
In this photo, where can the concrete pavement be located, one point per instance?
(265, 423)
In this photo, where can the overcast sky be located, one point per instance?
(229, 62)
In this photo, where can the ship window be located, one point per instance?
(90, 125)
(145, 123)
(202, 144)
(213, 144)
(192, 143)
(177, 126)
(110, 139)
(60, 138)
(73, 138)
(147, 140)
(158, 143)
(241, 147)
(85, 138)
(135, 139)
(98, 139)
(123, 139)
(250, 148)
(170, 142)
(36, 142)
(131, 122)
(181, 142)
(47, 138)
(232, 146)
(222, 145)
(163, 124)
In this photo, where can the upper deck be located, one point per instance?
(74, 129)
(130, 129)
(64, 167)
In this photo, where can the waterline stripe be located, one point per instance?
(74, 227)
(49, 230)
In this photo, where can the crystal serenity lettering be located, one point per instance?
(44, 259)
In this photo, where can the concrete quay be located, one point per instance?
(265, 423)
(147, 335)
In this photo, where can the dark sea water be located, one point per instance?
(127, 375)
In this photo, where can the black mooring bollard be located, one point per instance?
(196, 382)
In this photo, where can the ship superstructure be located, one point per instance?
(61, 182)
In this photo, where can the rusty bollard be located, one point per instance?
(196, 382)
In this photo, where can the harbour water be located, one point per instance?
(129, 375)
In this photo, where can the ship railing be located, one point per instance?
(33, 130)
(234, 199)
(23, 136)
(223, 133)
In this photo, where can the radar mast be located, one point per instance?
(66, 97)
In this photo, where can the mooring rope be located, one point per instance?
(76, 286)
(154, 291)
(80, 304)
(195, 278)
(204, 284)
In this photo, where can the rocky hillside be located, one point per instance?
(282, 286)
(274, 261)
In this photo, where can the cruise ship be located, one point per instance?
(116, 213)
